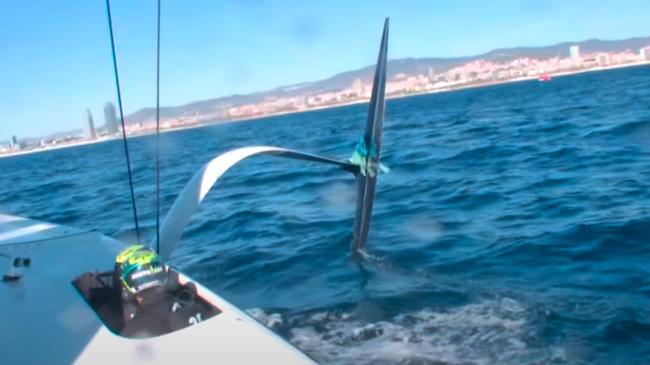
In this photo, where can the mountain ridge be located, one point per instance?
(218, 106)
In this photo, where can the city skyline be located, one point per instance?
(478, 71)
(489, 69)
(216, 49)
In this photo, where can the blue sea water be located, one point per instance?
(513, 228)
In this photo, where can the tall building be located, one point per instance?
(357, 86)
(110, 117)
(574, 52)
(14, 143)
(431, 74)
(645, 53)
(90, 125)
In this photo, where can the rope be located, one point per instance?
(158, 131)
(119, 102)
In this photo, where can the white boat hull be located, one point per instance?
(45, 320)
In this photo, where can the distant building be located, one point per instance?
(602, 59)
(14, 143)
(90, 125)
(431, 74)
(645, 53)
(574, 53)
(357, 86)
(110, 117)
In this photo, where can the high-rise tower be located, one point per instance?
(110, 117)
(90, 125)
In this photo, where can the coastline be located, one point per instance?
(324, 107)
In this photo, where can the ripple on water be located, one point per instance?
(529, 202)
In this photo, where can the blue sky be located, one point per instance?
(55, 56)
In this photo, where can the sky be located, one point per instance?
(55, 58)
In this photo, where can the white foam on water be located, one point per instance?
(496, 331)
(423, 228)
(338, 197)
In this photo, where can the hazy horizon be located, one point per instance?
(57, 57)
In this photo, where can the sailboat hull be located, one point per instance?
(45, 320)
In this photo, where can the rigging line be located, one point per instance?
(119, 102)
(158, 130)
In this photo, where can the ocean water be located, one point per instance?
(513, 228)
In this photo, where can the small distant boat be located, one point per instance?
(544, 77)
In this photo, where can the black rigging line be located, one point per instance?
(158, 131)
(119, 102)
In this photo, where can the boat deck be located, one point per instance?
(45, 320)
